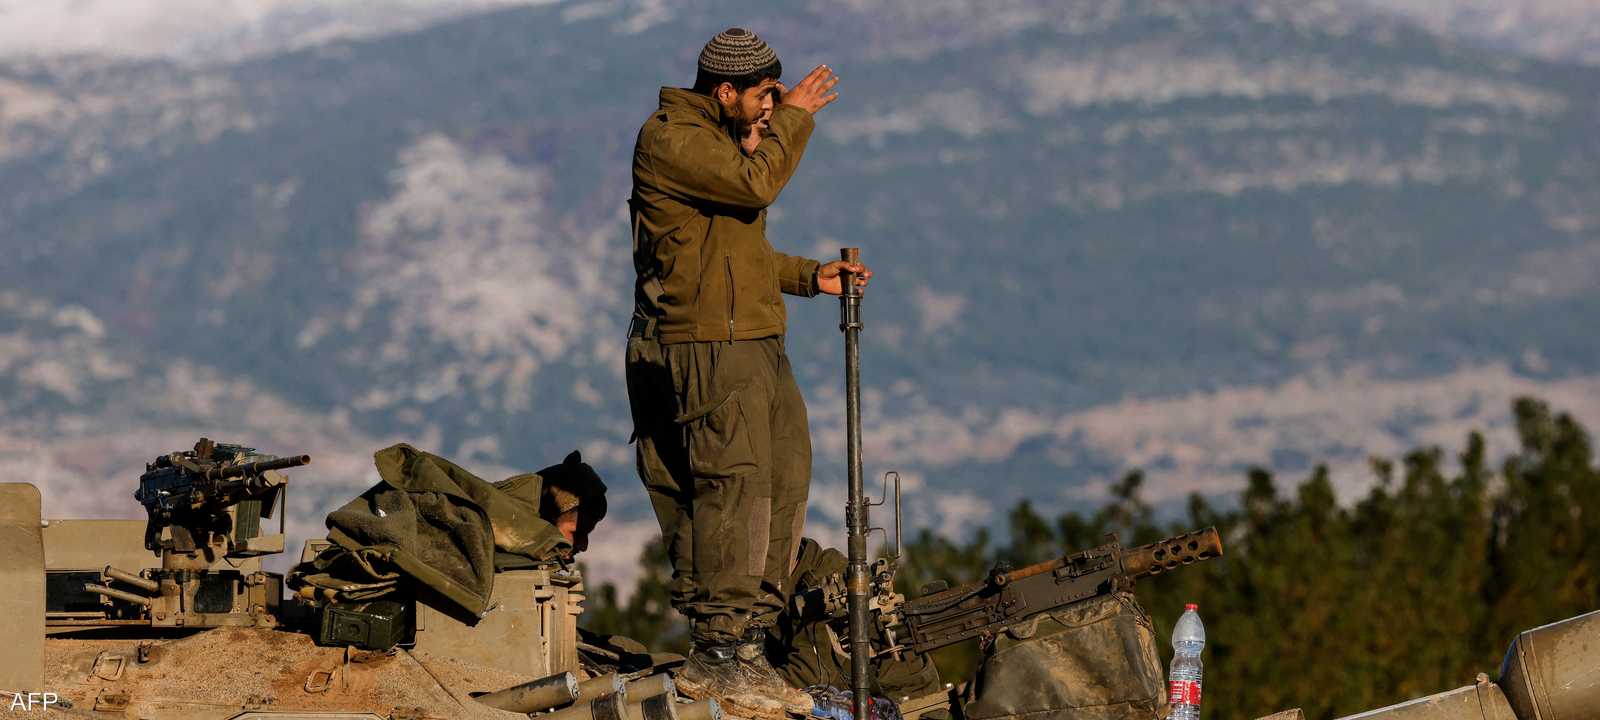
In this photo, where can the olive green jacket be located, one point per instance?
(705, 269)
(432, 521)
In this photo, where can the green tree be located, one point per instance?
(1545, 523)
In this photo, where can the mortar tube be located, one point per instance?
(706, 709)
(534, 696)
(659, 707)
(645, 688)
(598, 687)
(610, 707)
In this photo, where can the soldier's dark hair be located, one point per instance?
(706, 81)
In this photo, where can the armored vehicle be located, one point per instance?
(174, 616)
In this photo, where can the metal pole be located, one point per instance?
(856, 521)
(137, 581)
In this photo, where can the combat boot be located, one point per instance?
(715, 672)
(753, 662)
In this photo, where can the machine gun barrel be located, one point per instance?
(231, 472)
(1172, 553)
(1137, 563)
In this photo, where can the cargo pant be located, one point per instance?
(725, 454)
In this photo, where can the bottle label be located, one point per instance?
(1183, 692)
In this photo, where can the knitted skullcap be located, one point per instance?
(736, 51)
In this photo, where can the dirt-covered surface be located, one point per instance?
(216, 673)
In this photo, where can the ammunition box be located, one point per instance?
(377, 625)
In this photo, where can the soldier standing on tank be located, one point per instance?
(723, 446)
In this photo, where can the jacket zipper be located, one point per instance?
(727, 262)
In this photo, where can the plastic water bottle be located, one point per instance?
(831, 703)
(1183, 680)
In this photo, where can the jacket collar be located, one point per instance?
(701, 105)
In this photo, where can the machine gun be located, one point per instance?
(190, 493)
(204, 510)
(1006, 598)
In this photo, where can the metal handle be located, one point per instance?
(884, 500)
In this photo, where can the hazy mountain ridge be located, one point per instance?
(1551, 29)
(209, 31)
(1143, 233)
(200, 32)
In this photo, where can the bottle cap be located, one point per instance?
(1192, 606)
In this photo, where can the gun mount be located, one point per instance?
(203, 519)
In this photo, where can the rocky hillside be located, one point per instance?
(1181, 236)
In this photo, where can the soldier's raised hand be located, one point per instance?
(814, 91)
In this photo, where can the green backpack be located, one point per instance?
(1095, 660)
